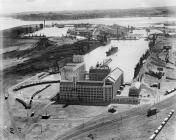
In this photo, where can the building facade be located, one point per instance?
(74, 69)
(111, 31)
(98, 74)
(91, 91)
(135, 89)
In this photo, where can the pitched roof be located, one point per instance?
(114, 75)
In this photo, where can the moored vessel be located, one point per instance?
(111, 51)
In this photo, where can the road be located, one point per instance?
(28, 126)
(13, 123)
(134, 119)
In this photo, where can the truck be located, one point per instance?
(152, 111)
(112, 108)
(118, 92)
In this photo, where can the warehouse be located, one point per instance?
(135, 89)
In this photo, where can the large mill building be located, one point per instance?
(100, 87)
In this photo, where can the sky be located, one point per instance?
(16, 6)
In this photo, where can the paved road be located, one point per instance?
(127, 116)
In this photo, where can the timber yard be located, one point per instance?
(84, 83)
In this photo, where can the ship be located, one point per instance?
(111, 51)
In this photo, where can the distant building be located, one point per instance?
(84, 31)
(120, 31)
(110, 31)
(82, 25)
(81, 31)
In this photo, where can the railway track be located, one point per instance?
(109, 120)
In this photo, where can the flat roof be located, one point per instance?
(73, 66)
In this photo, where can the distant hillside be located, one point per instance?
(73, 15)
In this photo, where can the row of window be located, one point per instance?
(76, 89)
(81, 87)
(81, 95)
(93, 92)
(65, 97)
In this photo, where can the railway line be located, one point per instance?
(35, 84)
(135, 113)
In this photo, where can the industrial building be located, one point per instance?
(74, 69)
(98, 73)
(84, 30)
(101, 86)
(111, 31)
(135, 89)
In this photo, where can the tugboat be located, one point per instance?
(111, 51)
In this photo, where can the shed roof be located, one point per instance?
(114, 75)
